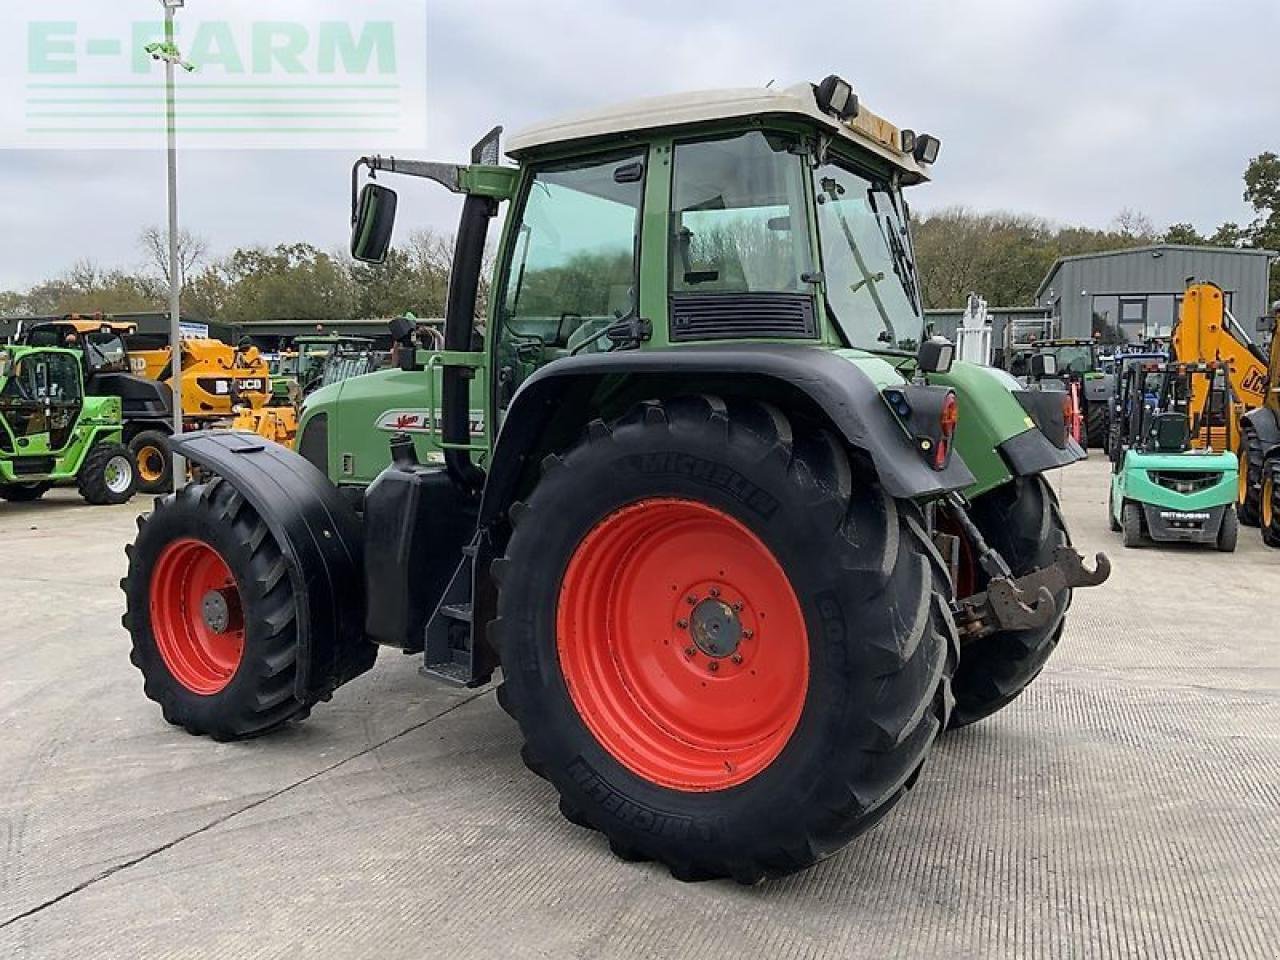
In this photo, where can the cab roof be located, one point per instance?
(866, 130)
(86, 325)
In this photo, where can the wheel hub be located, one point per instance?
(218, 610)
(715, 628)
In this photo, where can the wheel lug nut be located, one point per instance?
(737, 607)
(713, 666)
(690, 651)
(737, 659)
(714, 591)
(682, 624)
(691, 599)
(748, 634)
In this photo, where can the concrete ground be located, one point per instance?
(1127, 805)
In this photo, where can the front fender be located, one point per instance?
(841, 389)
(319, 535)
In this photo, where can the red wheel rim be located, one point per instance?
(682, 644)
(196, 616)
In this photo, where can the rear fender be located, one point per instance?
(841, 390)
(320, 537)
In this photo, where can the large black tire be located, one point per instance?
(1269, 502)
(1112, 522)
(1229, 532)
(1021, 520)
(1251, 455)
(155, 461)
(1132, 525)
(1097, 425)
(23, 492)
(259, 695)
(108, 476)
(880, 637)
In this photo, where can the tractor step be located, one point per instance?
(456, 611)
(448, 648)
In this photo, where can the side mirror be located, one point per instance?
(374, 221)
(936, 355)
(1267, 324)
(1044, 365)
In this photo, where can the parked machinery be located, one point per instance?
(1164, 486)
(52, 433)
(1260, 444)
(118, 362)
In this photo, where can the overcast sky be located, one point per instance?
(1068, 109)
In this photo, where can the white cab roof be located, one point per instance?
(677, 110)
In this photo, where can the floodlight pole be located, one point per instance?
(175, 277)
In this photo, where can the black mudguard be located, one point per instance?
(848, 397)
(319, 535)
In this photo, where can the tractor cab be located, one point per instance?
(100, 341)
(41, 396)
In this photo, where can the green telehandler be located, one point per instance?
(52, 434)
(741, 540)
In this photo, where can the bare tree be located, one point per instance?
(193, 252)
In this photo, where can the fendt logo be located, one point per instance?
(290, 74)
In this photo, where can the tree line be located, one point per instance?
(1002, 256)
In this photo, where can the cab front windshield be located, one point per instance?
(106, 352)
(868, 262)
(1073, 358)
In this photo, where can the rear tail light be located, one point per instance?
(947, 421)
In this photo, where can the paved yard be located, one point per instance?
(1128, 805)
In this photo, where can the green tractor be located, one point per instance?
(742, 541)
(51, 433)
(1162, 489)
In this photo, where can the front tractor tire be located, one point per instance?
(155, 461)
(726, 647)
(211, 612)
(1022, 521)
(24, 492)
(108, 476)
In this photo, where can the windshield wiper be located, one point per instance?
(869, 280)
(902, 263)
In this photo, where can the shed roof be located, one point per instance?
(1149, 248)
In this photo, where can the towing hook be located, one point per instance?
(1027, 602)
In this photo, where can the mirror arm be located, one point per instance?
(448, 175)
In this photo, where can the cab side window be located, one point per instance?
(573, 267)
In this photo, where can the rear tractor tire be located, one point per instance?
(108, 476)
(23, 492)
(1097, 425)
(211, 612)
(155, 461)
(1021, 520)
(726, 647)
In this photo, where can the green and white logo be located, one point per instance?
(280, 74)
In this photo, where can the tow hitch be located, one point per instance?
(1018, 603)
